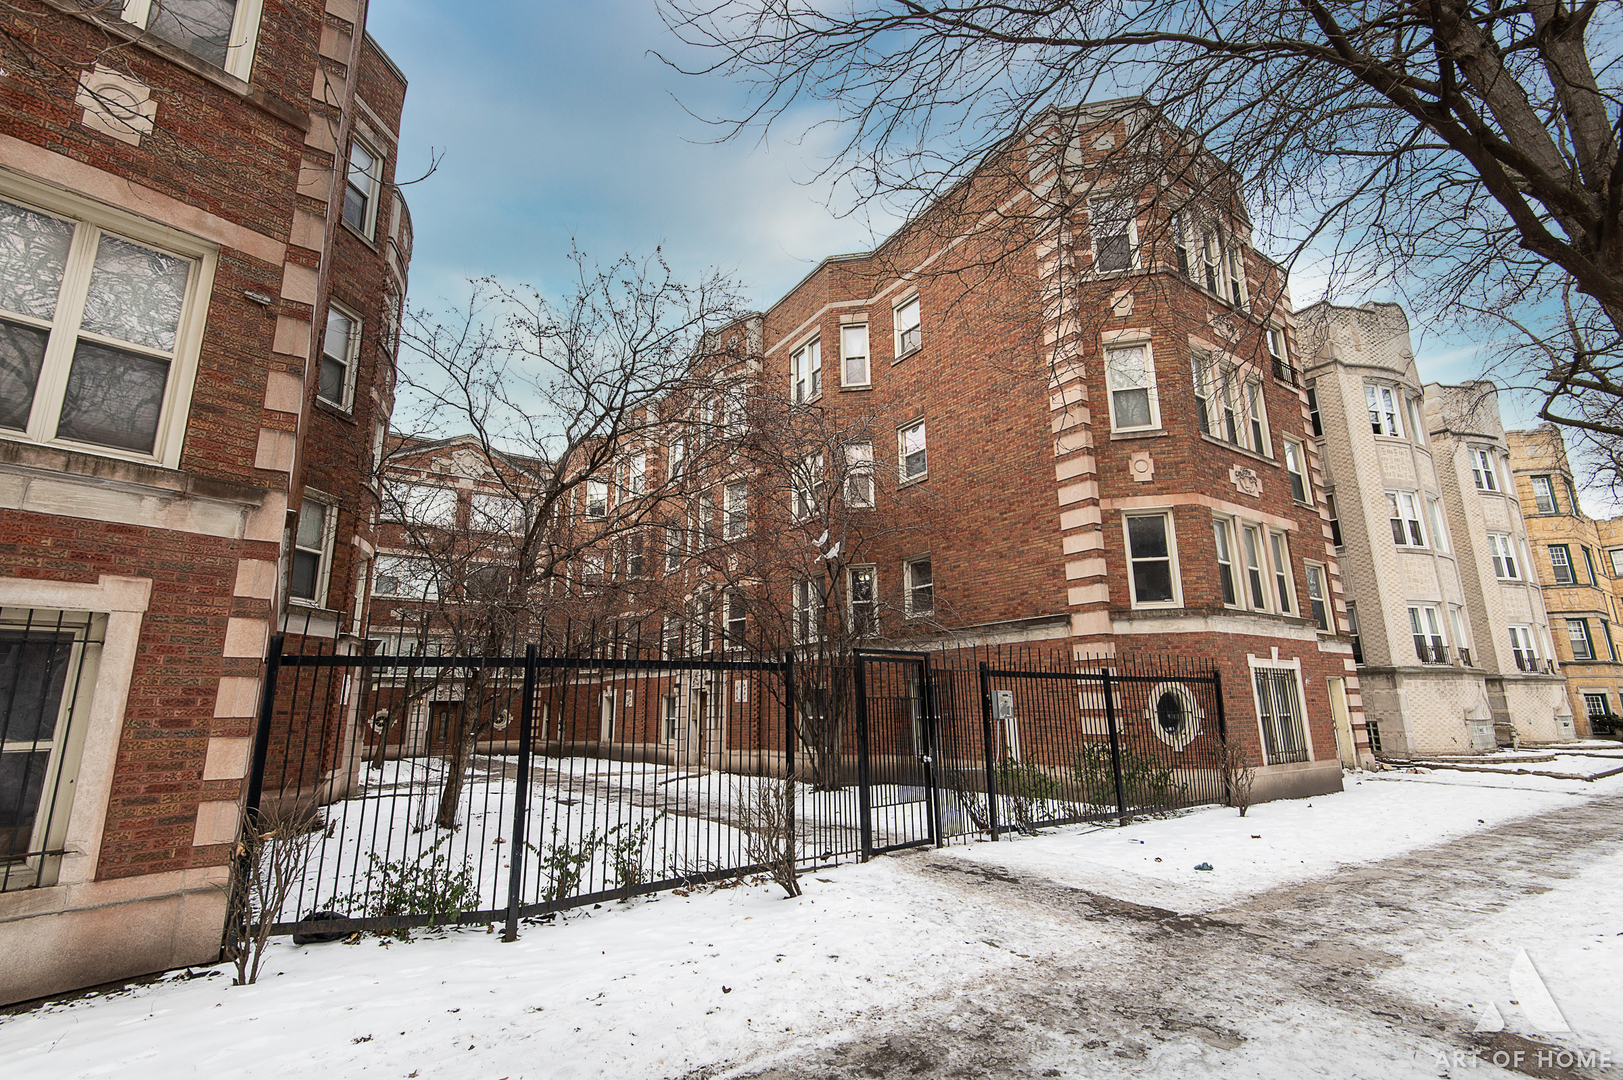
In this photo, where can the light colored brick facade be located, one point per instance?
(1571, 558)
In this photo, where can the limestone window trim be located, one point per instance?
(123, 603)
(92, 222)
(241, 43)
(855, 347)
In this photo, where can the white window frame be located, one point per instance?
(324, 554)
(1279, 558)
(1315, 415)
(1439, 525)
(240, 46)
(1319, 611)
(1170, 533)
(734, 618)
(90, 221)
(421, 505)
(1527, 643)
(1502, 547)
(1256, 414)
(859, 476)
(862, 625)
(914, 326)
(1129, 211)
(909, 587)
(902, 452)
(1254, 561)
(675, 456)
(1292, 669)
(702, 521)
(806, 372)
(369, 225)
(735, 501)
(595, 503)
(405, 568)
(1112, 374)
(1417, 412)
(1484, 469)
(1385, 405)
(1426, 626)
(1543, 492)
(495, 512)
(847, 355)
(807, 486)
(806, 611)
(637, 475)
(63, 786)
(673, 547)
(1565, 553)
(1587, 637)
(1202, 368)
(1296, 467)
(1403, 513)
(350, 360)
(1227, 571)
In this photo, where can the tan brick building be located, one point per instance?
(1573, 560)
(201, 260)
(1424, 686)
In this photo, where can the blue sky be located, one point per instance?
(558, 126)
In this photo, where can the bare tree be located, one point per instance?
(560, 403)
(1466, 154)
(784, 567)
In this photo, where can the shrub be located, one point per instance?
(1029, 788)
(415, 885)
(1147, 784)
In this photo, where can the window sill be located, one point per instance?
(1146, 433)
(856, 387)
(361, 236)
(910, 481)
(905, 355)
(336, 411)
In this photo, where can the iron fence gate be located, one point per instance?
(436, 789)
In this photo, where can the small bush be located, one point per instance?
(1029, 788)
(565, 864)
(1148, 785)
(766, 813)
(415, 885)
(627, 844)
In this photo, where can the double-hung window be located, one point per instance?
(807, 611)
(859, 492)
(1225, 562)
(862, 593)
(1483, 472)
(1257, 413)
(312, 552)
(1523, 648)
(673, 548)
(1296, 466)
(807, 371)
(361, 187)
(48, 665)
(735, 509)
(1503, 549)
(494, 513)
(1404, 511)
(1426, 624)
(220, 32)
(919, 582)
(1130, 373)
(1583, 646)
(1543, 494)
(1313, 414)
(404, 577)
(1152, 558)
(1204, 416)
(1284, 587)
(909, 332)
(808, 486)
(1417, 424)
(854, 355)
(1439, 531)
(1283, 371)
(912, 452)
(1256, 587)
(674, 458)
(735, 618)
(1614, 556)
(340, 347)
(1335, 518)
(1561, 564)
(1384, 417)
(98, 334)
(1572, 497)
(702, 523)
(1211, 257)
(1180, 242)
(597, 500)
(1318, 597)
(1115, 235)
(1589, 565)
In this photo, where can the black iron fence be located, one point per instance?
(489, 789)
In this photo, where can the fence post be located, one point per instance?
(267, 709)
(1222, 732)
(521, 799)
(1115, 749)
(986, 737)
(932, 742)
(789, 749)
(864, 807)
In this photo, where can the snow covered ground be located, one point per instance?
(672, 984)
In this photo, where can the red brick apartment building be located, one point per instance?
(1060, 407)
(202, 257)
